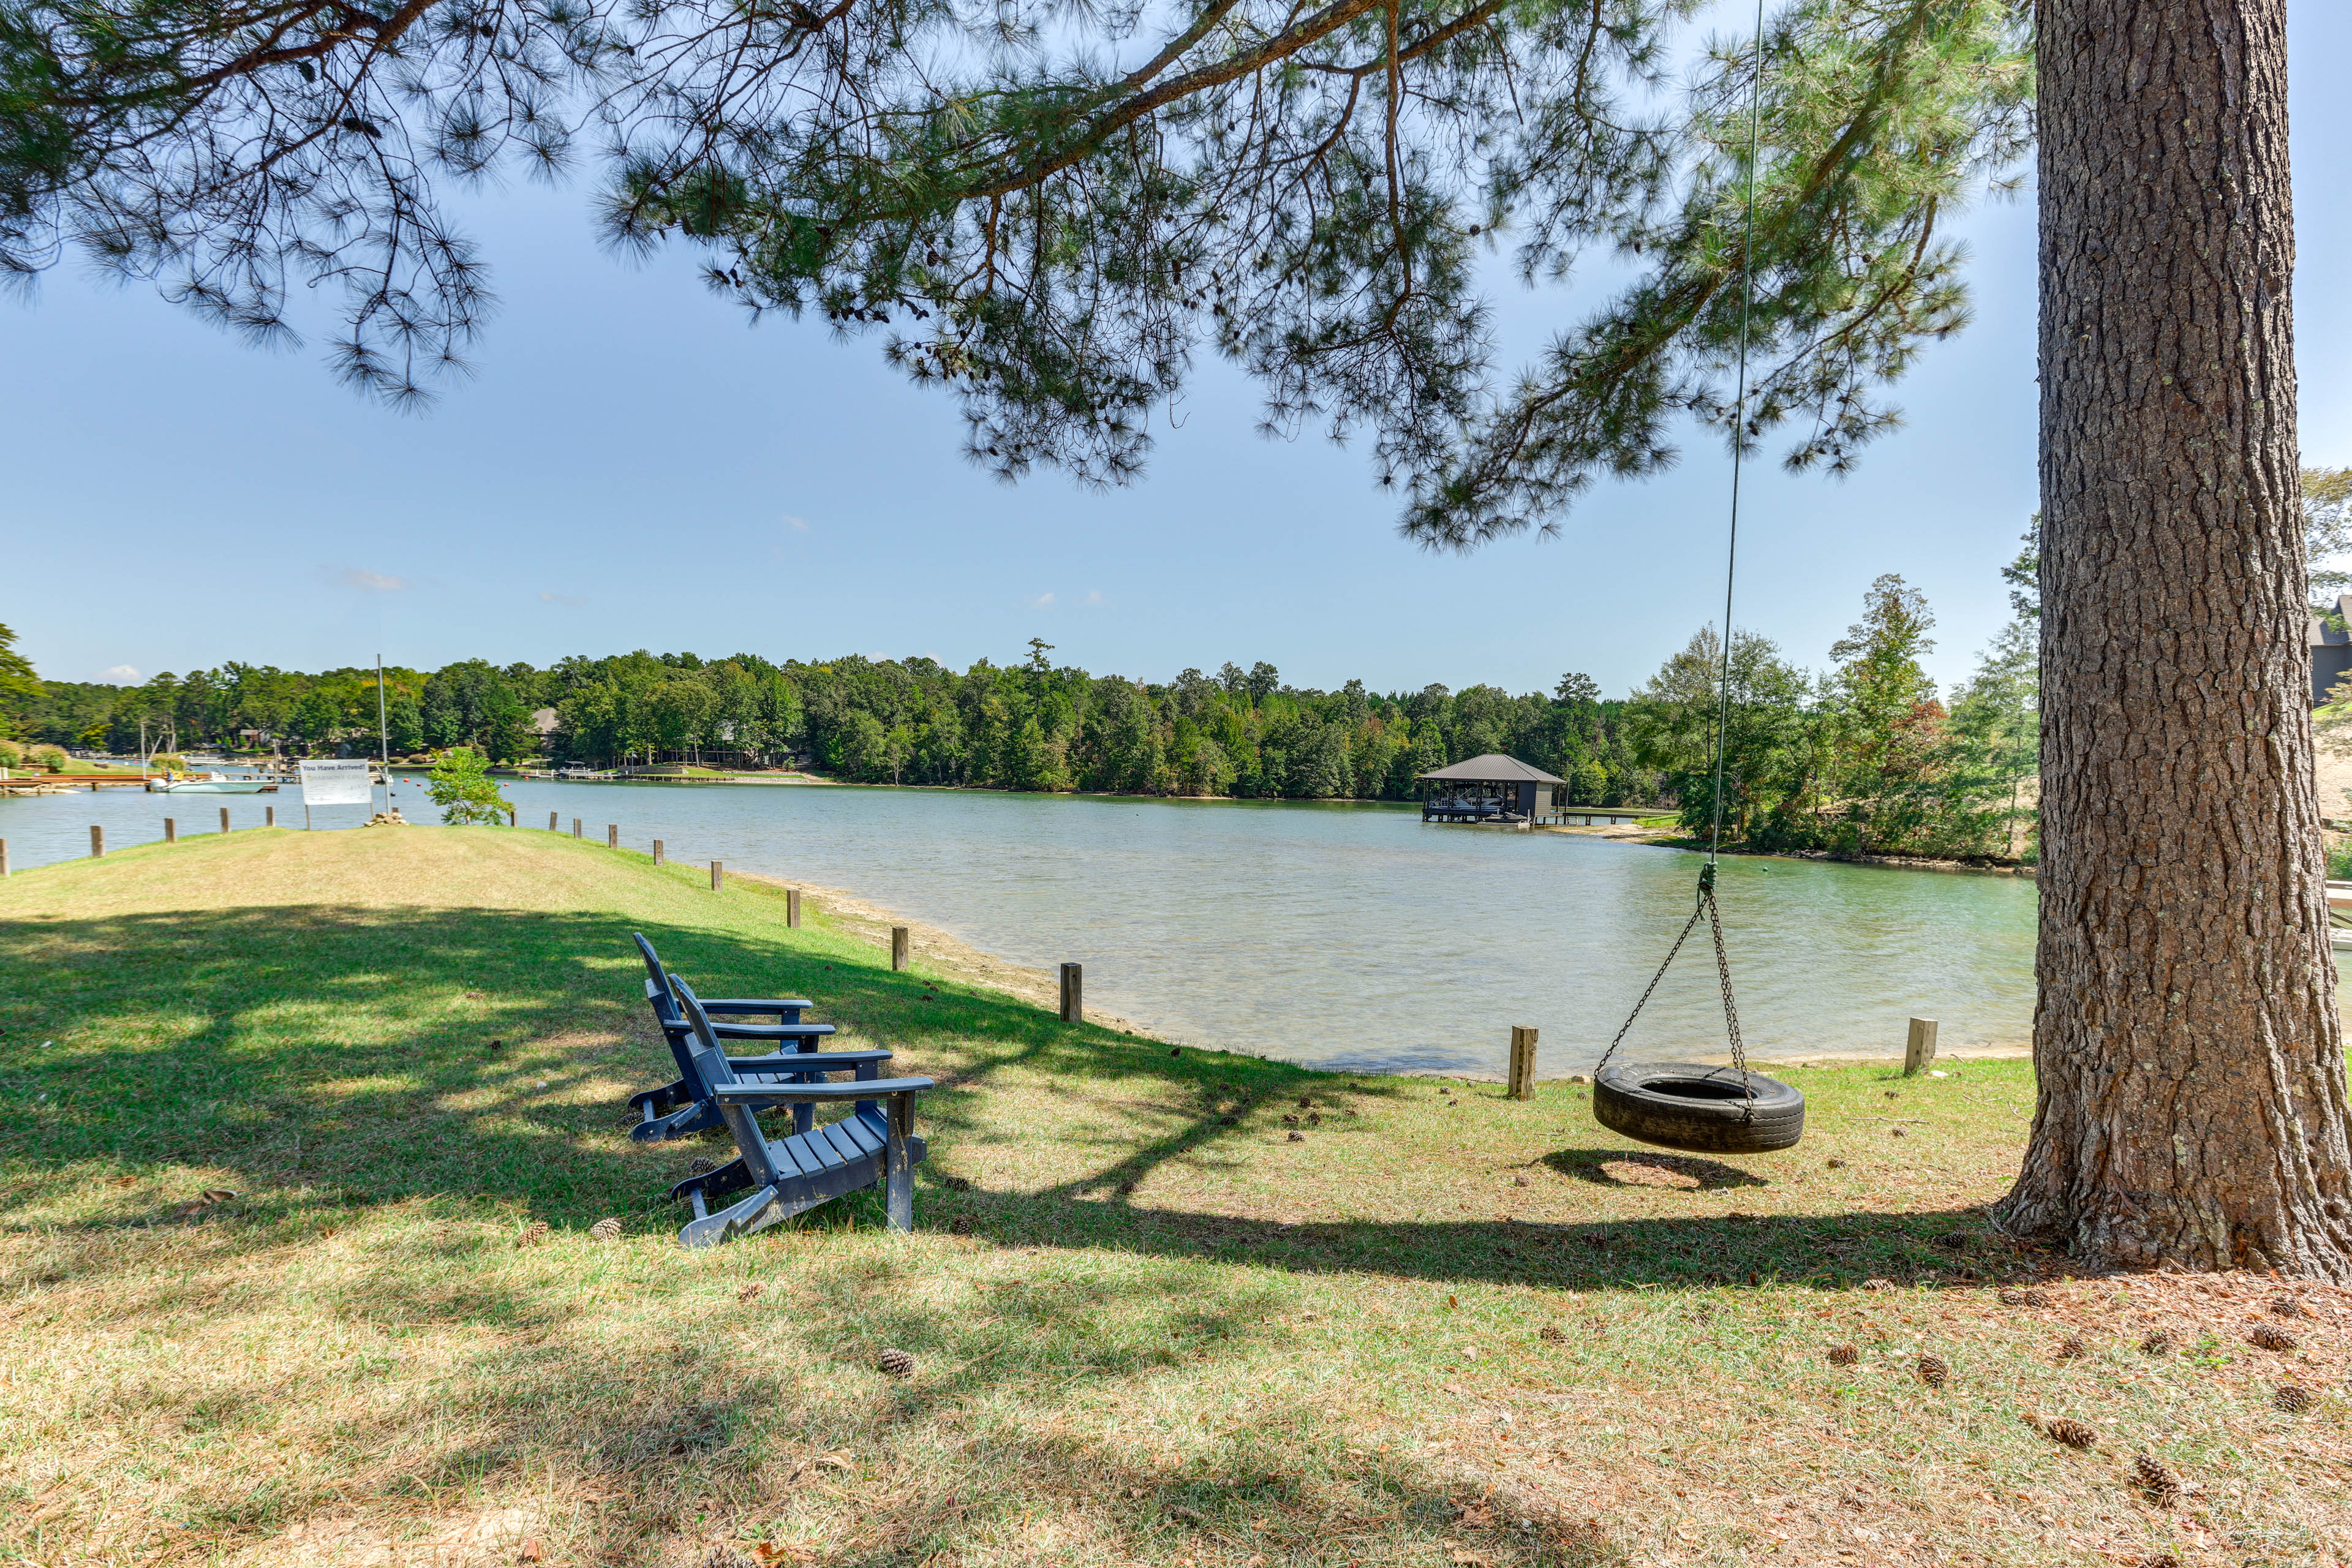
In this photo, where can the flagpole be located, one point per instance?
(383, 734)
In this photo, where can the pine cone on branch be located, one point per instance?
(2161, 1486)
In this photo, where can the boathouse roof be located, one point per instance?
(1493, 768)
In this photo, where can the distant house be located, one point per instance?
(544, 720)
(2331, 648)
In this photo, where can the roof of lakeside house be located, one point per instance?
(1493, 768)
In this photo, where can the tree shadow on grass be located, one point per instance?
(475, 1062)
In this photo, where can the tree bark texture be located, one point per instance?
(2192, 1093)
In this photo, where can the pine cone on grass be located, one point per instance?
(2158, 1484)
(2288, 1307)
(2272, 1338)
(895, 1364)
(532, 1234)
(1843, 1355)
(2072, 1348)
(1932, 1371)
(700, 1166)
(2291, 1399)
(2064, 1429)
(2027, 1297)
(605, 1229)
(2157, 1344)
(2160, 1559)
(1551, 1335)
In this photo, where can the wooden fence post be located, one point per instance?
(1074, 994)
(171, 831)
(97, 841)
(899, 945)
(612, 836)
(658, 852)
(575, 827)
(3, 857)
(224, 819)
(551, 823)
(1523, 1061)
(718, 877)
(793, 908)
(1920, 1048)
(269, 816)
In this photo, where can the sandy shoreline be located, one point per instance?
(950, 956)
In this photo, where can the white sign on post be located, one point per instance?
(340, 782)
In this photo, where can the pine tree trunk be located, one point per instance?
(2192, 1094)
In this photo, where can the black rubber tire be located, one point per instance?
(1639, 1100)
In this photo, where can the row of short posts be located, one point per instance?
(170, 833)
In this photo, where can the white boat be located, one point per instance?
(215, 783)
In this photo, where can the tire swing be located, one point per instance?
(1690, 1105)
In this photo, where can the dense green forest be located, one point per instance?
(1866, 756)
(1033, 725)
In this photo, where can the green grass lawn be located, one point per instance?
(1439, 1327)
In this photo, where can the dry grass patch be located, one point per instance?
(1140, 1323)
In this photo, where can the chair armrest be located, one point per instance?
(757, 1031)
(806, 1061)
(754, 1094)
(747, 1004)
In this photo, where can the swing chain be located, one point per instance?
(1704, 905)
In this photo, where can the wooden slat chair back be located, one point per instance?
(674, 1111)
(874, 1146)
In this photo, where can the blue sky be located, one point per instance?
(633, 467)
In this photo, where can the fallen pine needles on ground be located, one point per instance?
(309, 1137)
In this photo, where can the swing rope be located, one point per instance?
(1705, 904)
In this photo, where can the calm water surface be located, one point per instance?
(1340, 935)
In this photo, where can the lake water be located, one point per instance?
(1337, 934)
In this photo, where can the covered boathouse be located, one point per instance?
(1492, 788)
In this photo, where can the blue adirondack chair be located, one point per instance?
(871, 1147)
(673, 1112)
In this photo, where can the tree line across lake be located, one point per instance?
(1867, 756)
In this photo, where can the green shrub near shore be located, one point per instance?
(1147, 1327)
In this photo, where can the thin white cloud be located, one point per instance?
(360, 577)
(574, 600)
(119, 674)
(798, 525)
(1041, 601)
(1093, 596)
